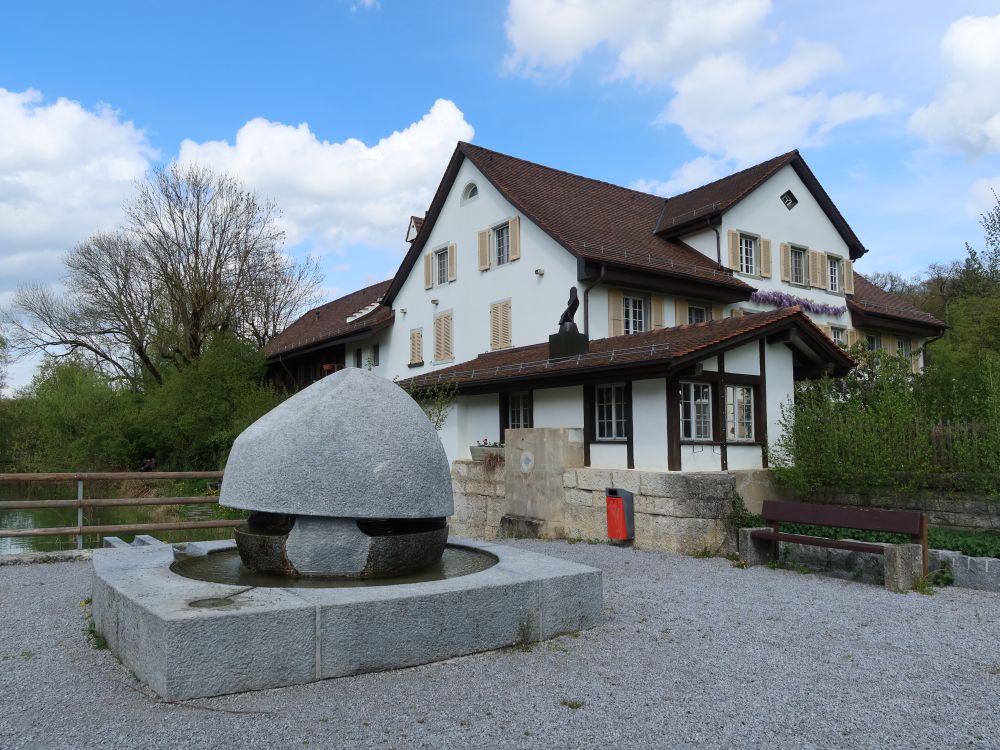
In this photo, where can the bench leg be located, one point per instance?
(754, 551)
(904, 566)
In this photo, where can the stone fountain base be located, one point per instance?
(236, 639)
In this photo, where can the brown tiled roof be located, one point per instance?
(329, 321)
(593, 219)
(868, 298)
(669, 346)
(718, 197)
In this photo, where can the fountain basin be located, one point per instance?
(189, 638)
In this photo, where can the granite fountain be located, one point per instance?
(343, 566)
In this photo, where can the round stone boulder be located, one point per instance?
(352, 445)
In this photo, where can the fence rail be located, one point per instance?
(80, 502)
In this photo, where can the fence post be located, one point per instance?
(79, 513)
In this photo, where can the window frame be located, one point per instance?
(754, 254)
(359, 358)
(748, 416)
(495, 233)
(618, 421)
(520, 402)
(469, 193)
(375, 355)
(690, 423)
(803, 255)
(441, 265)
(643, 307)
(904, 347)
(705, 310)
(834, 274)
(839, 336)
(874, 341)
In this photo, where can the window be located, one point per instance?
(798, 257)
(611, 419)
(697, 314)
(416, 347)
(696, 411)
(789, 200)
(441, 267)
(739, 413)
(835, 274)
(359, 358)
(874, 342)
(903, 347)
(501, 244)
(374, 359)
(519, 410)
(500, 325)
(634, 313)
(443, 330)
(471, 192)
(748, 254)
(839, 336)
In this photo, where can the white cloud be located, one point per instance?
(691, 174)
(64, 171)
(339, 194)
(983, 195)
(650, 39)
(745, 114)
(965, 116)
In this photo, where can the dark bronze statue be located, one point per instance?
(566, 322)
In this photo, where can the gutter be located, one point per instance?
(586, 300)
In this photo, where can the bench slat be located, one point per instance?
(874, 519)
(818, 541)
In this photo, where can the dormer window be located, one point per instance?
(470, 193)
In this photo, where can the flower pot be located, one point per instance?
(480, 452)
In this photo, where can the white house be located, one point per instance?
(701, 310)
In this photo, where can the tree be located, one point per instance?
(198, 256)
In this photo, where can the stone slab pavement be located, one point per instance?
(693, 653)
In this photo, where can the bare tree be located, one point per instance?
(197, 256)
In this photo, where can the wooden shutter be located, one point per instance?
(785, 261)
(765, 258)
(484, 250)
(449, 347)
(452, 262)
(681, 312)
(416, 346)
(500, 325)
(734, 250)
(848, 276)
(853, 335)
(716, 312)
(428, 270)
(828, 330)
(616, 313)
(514, 233)
(656, 311)
(736, 312)
(443, 349)
(817, 269)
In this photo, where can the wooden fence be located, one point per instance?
(81, 502)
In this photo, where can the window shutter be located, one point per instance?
(495, 326)
(681, 308)
(484, 250)
(717, 312)
(428, 270)
(736, 312)
(765, 258)
(828, 330)
(616, 313)
(734, 250)
(656, 311)
(514, 232)
(449, 349)
(505, 325)
(438, 339)
(817, 273)
(785, 251)
(852, 337)
(416, 345)
(848, 276)
(452, 262)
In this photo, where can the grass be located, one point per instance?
(574, 704)
(923, 586)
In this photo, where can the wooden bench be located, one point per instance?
(911, 523)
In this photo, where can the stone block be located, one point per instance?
(569, 478)
(903, 566)
(754, 551)
(626, 480)
(582, 497)
(593, 479)
(684, 535)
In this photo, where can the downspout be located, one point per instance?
(586, 301)
(718, 245)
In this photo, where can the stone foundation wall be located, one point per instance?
(958, 510)
(480, 499)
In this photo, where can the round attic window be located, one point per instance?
(471, 192)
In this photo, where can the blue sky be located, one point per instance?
(345, 113)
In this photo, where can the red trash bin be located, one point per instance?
(621, 516)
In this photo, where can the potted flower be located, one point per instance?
(485, 447)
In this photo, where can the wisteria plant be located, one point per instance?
(781, 299)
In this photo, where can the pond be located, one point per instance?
(49, 517)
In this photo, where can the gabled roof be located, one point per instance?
(593, 220)
(669, 348)
(871, 302)
(705, 204)
(337, 319)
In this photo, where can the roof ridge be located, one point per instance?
(464, 144)
(788, 155)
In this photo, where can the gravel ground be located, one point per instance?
(694, 653)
